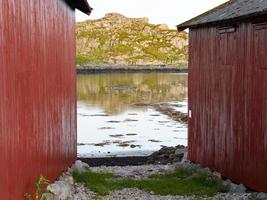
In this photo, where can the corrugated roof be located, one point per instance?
(81, 5)
(233, 9)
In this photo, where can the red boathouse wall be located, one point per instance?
(37, 93)
(228, 100)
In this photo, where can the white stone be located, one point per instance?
(184, 159)
(262, 195)
(179, 151)
(217, 174)
(163, 27)
(61, 189)
(67, 177)
(80, 167)
(234, 188)
(48, 196)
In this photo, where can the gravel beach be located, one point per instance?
(66, 188)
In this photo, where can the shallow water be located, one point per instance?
(111, 124)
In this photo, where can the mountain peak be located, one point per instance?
(120, 18)
(114, 15)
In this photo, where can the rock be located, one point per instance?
(189, 166)
(136, 172)
(168, 155)
(79, 167)
(167, 150)
(67, 177)
(228, 196)
(177, 43)
(175, 160)
(227, 184)
(171, 112)
(241, 189)
(60, 189)
(163, 27)
(116, 39)
(207, 170)
(262, 196)
(135, 146)
(184, 159)
(234, 188)
(136, 194)
(48, 196)
(180, 152)
(217, 174)
(171, 156)
(64, 190)
(82, 193)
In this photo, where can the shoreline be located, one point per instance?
(115, 161)
(91, 69)
(165, 155)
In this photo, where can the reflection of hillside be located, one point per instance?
(115, 92)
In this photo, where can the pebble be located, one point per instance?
(79, 167)
(65, 188)
(136, 172)
(82, 193)
(136, 194)
(261, 196)
(234, 188)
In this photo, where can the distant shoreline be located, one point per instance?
(89, 69)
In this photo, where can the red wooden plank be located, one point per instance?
(228, 102)
(38, 93)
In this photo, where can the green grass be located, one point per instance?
(127, 41)
(96, 57)
(154, 52)
(150, 51)
(181, 182)
(122, 49)
(82, 59)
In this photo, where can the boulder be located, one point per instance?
(180, 152)
(168, 155)
(48, 196)
(67, 177)
(163, 27)
(79, 167)
(61, 190)
(184, 159)
(261, 196)
(234, 188)
(217, 174)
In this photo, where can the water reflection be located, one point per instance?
(115, 93)
(109, 122)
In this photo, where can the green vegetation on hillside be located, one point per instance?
(116, 39)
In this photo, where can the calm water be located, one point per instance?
(111, 121)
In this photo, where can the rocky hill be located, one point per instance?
(118, 40)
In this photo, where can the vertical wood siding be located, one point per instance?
(37, 93)
(228, 100)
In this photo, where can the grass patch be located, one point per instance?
(96, 56)
(181, 182)
(154, 51)
(82, 59)
(122, 49)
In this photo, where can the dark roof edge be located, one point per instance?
(185, 25)
(81, 5)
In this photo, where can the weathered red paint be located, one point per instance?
(228, 100)
(37, 93)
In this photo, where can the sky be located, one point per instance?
(170, 12)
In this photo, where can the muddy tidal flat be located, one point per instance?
(117, 113)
